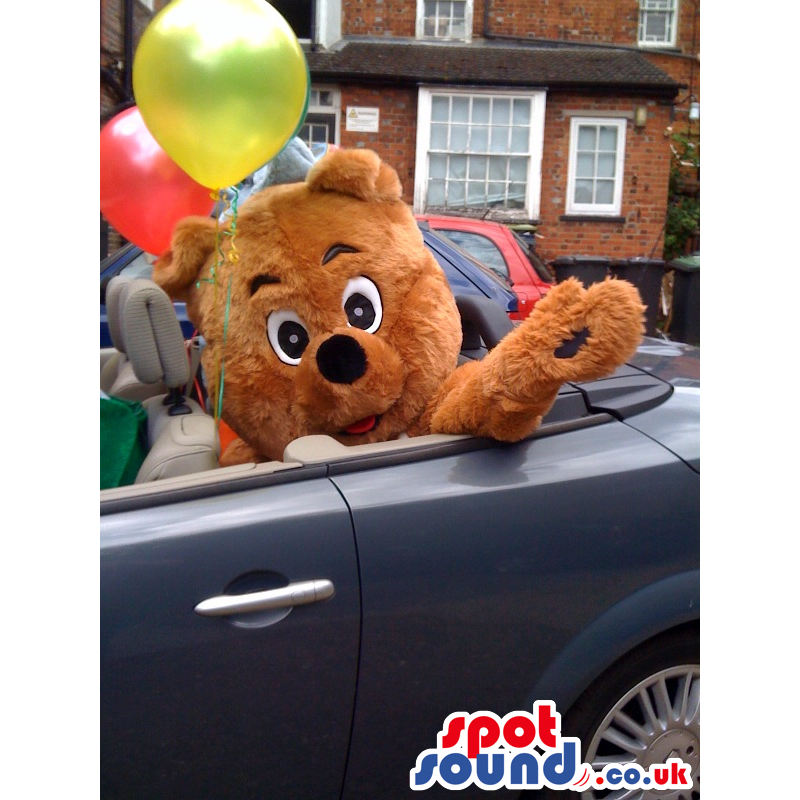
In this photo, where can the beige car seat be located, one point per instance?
(154, 367)
(115, 370)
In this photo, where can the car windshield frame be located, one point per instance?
(534, 258)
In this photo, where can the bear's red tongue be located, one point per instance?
(362, 426)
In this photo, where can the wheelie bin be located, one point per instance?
(685, 325)
(587, 269)
(646, 275)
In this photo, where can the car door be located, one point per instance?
(479, 567)
(242, 705)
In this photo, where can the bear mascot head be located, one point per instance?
(324, 313)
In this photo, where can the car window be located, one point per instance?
(139, 267)
(464, 271)
(485, 250)
(129, 261)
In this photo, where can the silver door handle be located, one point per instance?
(295, 594)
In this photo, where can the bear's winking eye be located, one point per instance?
(336, 250)
(262, 280)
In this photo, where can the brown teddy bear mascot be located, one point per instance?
(324, 313)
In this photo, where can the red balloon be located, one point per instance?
(143, 192)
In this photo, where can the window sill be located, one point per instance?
(591, 218)
(444, 39)
(660, 47)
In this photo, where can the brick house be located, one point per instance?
(516, 110)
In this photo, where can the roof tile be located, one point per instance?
(553, 67)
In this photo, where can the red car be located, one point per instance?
(503, 251)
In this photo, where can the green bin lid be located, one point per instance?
(685, 263)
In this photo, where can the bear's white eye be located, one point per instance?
(362, 304)
(287, 335)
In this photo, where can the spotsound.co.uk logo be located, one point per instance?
(527, 751)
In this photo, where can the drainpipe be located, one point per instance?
(128, 45)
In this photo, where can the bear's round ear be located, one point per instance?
(194, 239)
(356, 173)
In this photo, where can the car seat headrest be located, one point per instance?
(114, 310)
(154, 340)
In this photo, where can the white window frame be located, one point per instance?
(328, 23)
(332, 109)
(596, 209)
(658, 7)
(535, 146)
(467, 37)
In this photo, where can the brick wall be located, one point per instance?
(646, 169)
(644, 190)
(598, 21)
(379, 17)
(395, 142)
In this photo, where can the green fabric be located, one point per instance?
(123, 441)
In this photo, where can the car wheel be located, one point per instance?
(644, 709)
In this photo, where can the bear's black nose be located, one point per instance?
(341, 359)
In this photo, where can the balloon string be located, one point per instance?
(218, 413)
(233, 257)
(229, 206)
(233, 253)
(212, 279)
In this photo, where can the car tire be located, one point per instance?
(662, 675)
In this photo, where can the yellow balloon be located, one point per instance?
(222, 85)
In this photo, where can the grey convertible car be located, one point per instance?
(303, 629)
